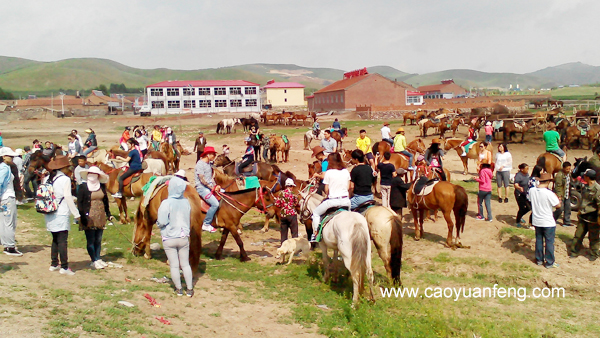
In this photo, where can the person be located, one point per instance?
(266, 144)
(503, 168)
(248, 156)
(288, 202)
(386, 134)
(400, 147)
(398, 192)
(256, 142)
(57, 222)
(434, 155)
(386, 171)
(319, 154)
(472, 136)
(521, 187)
(316, 128)
(336, 125)
(225, 150)
(535, 175)
(156, 137)
(36, 145)
(485, 192)
(205, 184)
(337, 182)
(562, 188)
(171, 139)
(124, 138)
(594, 161)
(78, 137)
(81, 165)
(8, 204)
(587, 217)
(363, 142)
(174, 218)
(18, 161)
(91, 143)
(1, 141)
(543, 200)
(361, 179)
(74, 147)
(485, 156)
(92, 203)
(48, 149)
(489, 131)
(199, 145)
(328, 143)
(142, 141)
(27, 176)
(135, 165)
(552, 140)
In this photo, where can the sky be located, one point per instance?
(412, 36)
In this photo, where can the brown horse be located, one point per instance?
(454, 143)
(157, 155)
(510, 128)
(172, 158)
(412, 117)
(279, 145)
(447, 197)
(573, 133)
(451, 125)
(299, 117)
(550, 162)
(429, 123)
(336, 135)
(265, 170)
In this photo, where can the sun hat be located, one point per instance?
(317, 150)
(6, 151)
(400, 130)
(436, 140)
(386, 123)
(208, 150)
(180, 173)
(89, 131)
(290, 182)
(590, 173)
(102, 176)
(545, 177)
(247, 139)
(59, 162)
(19, 152)
(488, 123)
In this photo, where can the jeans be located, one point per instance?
(8, 222)
(487, 197)
(357, 200)
(385, 195)
(524, 206)
(544, 245)
(566, 208)
(389, 140)
(289, 222)
(244, 164)
(558, 152)
(266, 154)
(410, 156)
(156, 145)
(257, 152)
(94, 243)
(209, 198)
(59, 247)
(123, 176)
(488, 138)
(178, 254)
(29, 177)
(89, 150)
(326, 204)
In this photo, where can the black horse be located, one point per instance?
(249, 123)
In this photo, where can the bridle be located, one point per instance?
(260, 196)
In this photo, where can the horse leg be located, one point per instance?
(421, 223)
(266, 226)
(450, 224)
(415, 213)
(218, 254)
(465, 161)
(326, 273)
(238, 239)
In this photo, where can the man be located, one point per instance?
(595, 159)
(288, 202)
(205, 184)
(361, 180)
(48, 149)
(552, 139)
(8, 204)
(363, 142)
(543, 200)
(316, 128)
(81, 165)
(562, 188)
(400, 147)
(328, 143)
(199, 145)
(74, 132)
(587, 217)
(266, 144)
(18, 161)
(386, 133)
(27, 176)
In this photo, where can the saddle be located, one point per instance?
(424, 186)
(435, 120)
(133, 178)
(327, 216)
(498, 124)
(204, 206)
(364, 206)
(557, 156)
(583, 127)
(249, 170)
(92, 153)
(519, 124)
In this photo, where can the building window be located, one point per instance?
(187, 91)
(336, 98)
(158, 104)
(235, 103)
(251, 103)
(221, 103)
(189, 104)
(204, 103)
(413, 99)
(341, 98)
(235, 91)
(203, 91)
(172, 91)
(220, 91)
(174, 104)
(250, 90)
(284, 100)
(156, 92)
(285, 91)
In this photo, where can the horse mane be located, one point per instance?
(290, 175)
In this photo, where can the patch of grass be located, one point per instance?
(513, 231)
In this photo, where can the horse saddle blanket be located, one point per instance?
(93, 153)
(327, 216)
(557, 156)
(424, 186)
(498, 124)
(364, 206)
(151, 188)
(249, 170)
(583, 128)
(435, 120)
(468, 146)
(285, 139)
(519, 124)
(448, 125)
(133, 178)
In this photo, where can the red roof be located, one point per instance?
(310, 97)
(409, 93)
(343, 84)
(432, 88)
(203, 83)
(284, 85)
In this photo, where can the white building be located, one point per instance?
(204, 96)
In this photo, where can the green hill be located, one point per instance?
(476, 79)
(570, 73)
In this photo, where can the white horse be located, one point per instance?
(310, 136)
(227, 124)
(255, 115)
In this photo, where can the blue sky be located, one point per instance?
(412, 36)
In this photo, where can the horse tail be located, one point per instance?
(396, 248)
(461, 204)
(375, 148)
(306, 141)
(360, 249)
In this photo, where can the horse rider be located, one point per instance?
(74, 132)
(48, 148)
(337, 126)
(248, 157)
(552, 140)
(157, 138)
(124, 138)
(90, 143)
(434, 155)
(134, 159)
(171, 139)
(319, 154)
(329, 143)
(205, 185)
(316, 128)
(255, 141)
(266, 144)
(362, 177)
(386, 134)
(363, 142)
(587, 217)
(400, 147)
(472, 136)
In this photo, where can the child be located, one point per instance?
(81, 165)
(248, 157)
(288, 203)
(489, 131)
(387, 171)
(225, 150)
(485, 191)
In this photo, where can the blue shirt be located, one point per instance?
(135, 162)
(337, 125)
(324, 165)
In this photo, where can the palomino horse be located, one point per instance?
(172, 158)
(279, 145)
(412, 117)
(474, 150)
(385, 229)
(447, 197)
(265, 171)
(309, 136)
(299, 117)
(98, 155)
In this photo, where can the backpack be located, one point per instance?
(45, 200)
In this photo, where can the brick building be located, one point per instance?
(445, 90)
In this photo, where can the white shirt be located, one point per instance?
(504, 161)
(18, 161)
(385, 132)
(542, 202)
(143, 141)
(80, 140)
(338, 182)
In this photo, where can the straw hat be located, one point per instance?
(386, 123)
(19, 152)
(400, 130)
(89, 131)
(180, 173)
(102, 177)
(545, 177)
(436, 140)
(59, 162)
(317, 150)
(208, 150)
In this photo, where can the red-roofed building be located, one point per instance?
(282, 94)
(203, 96)
(445, 90)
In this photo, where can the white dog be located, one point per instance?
(292, 246)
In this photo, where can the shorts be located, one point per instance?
(370, 156)
(503, 179)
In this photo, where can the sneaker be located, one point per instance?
(463, 154)
(54, 268)
(506, 200)
(499, 199)
(313, 238)
(12, 252)
(102, 262)
(209, 228)
(567, 224)
(179, 292)
(189, 293)
(555, 265)
(98, 265)
(19, 203)
(489, 220)
(117, 195)
(67, 272)
(479, 218)
(540, 263)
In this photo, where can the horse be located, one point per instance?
(299, 117)
(248, 123)
(172, 158)
(454, 143)
(279, 145)
(445, 196)
(278, 185)
(385, 229)
(98, 155)
(284, 118)
(181, 150)
(451, 125)
(592, 114)
(337, 135)
(157, 155)
(573, 132)
(228, 124)
(309, 136)
(429, 123)
(510, 128)
(551, 163)
(270, 117)
(412, 117)
(265, 170)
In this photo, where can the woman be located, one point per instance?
(248, 157)
(398, 192)
(74, 146)
(91, 143)
(485, 156)
(124, 138)
(58, 222)
(36, 146)
(255, 141)
(174, 224)
(135, 164)
(337, 183)
(92, 202)
(434, 156)
(143, 142)
(503, 168)
(485, 192)
(156, 137)
(171, 139)
(521, 188)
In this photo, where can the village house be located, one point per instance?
(283, 94)
(445, 90)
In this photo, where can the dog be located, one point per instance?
(292, 246)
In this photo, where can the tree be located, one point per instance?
(103, 89)
(6, 95)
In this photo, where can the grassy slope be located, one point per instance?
(471, 78)
(570, 73)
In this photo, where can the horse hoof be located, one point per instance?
(265, 230)
(417, 239)
(147, 256)
(219, 257)
(245, 259)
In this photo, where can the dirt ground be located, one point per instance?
(264, 318)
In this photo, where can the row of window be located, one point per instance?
(204, 103)
(189, 91)
(329, 99)
(413, 99)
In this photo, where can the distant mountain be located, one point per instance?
(476, 79)
(570, 73)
